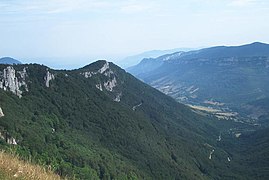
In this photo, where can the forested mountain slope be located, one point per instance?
(99, 122)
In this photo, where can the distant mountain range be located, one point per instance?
(135, 59)
(222, 77)
(9, 60)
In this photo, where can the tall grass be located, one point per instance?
(11, 167)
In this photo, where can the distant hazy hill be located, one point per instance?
(134, 60)
(9, 60)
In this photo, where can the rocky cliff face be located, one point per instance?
(16, 81)
(49, 76)
(13, 81)
(110, 84)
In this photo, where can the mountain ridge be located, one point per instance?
(239, 61)
(253, 49)
(130, 61)
(227, 79)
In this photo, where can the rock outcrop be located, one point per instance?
(1, 113)
(117, 98)
(10, 82)
(11, 141)
(109, 85)
(49, 76)
(99, 86)
(104, 68)
(106, 71)
(8, 139)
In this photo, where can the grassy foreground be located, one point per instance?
(13, 168)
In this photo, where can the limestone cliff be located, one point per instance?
(49, 76)
(13, 81)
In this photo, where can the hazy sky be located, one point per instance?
(82, 30)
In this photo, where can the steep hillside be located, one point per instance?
(100, 122)
(254, 148)
(258, 109)
(218, 77)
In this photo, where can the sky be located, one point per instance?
(64, 33)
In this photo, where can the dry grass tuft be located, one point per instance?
(13, 168)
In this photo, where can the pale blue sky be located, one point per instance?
(78, 31)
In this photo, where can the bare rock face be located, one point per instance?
(117, 98)
(104, 68)
(106, 71)
(1, 113)
(8, 139)
(12, 141)
(109, 85)
(10, 82)
(49, 76)
(99, 86)
(88, 74)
